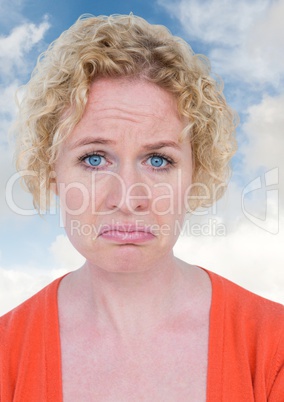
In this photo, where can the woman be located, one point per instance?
(124, 123)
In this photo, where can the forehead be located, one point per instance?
(133, 100)
(129, 109)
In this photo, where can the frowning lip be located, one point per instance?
(127, 233)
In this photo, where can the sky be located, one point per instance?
(242, 236)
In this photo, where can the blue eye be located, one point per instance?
(94, 160)
(158, 161)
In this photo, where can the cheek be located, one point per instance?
(171, 197)
(74, 199)
(163, 202)
(73, 187)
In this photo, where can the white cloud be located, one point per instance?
(7, 101)
(5, 172)
(264, 129)
(246, 38)
(14, 62)
(20, 282)
(16, 286)
(14, 200)
(14, 47)
(216, 22)
(249, 256)
(64, 254)
(244, 241)
(7, 113)
(265, 43)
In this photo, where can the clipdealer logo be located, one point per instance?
(267, 183)
(264, 187)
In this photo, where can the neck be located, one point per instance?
(132, 303)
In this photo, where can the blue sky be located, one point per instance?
(244, 41)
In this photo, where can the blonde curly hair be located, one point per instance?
(122, 46)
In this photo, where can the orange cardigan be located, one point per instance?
(246, 348)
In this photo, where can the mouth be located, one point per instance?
(127, 234)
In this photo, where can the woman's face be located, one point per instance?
(123, 176)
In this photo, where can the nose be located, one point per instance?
(128, 193)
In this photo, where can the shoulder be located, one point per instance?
(244, 303)
(25, 327)
(252, 330)
(248, 320)
(21, 319)
(28, 335)
(245, 313)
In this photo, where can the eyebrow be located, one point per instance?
(104, 141)
(92, 141)
(161, 144)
